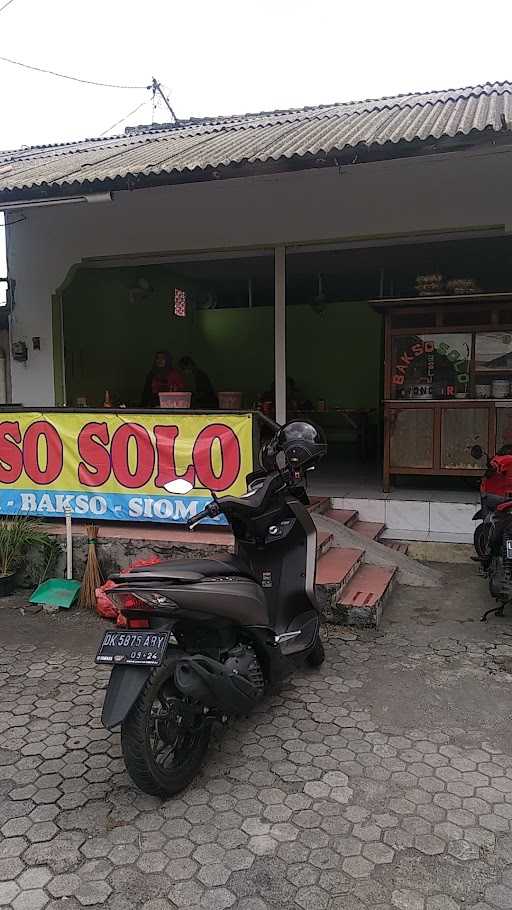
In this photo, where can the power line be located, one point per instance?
(122, 120)
(40, 69)
(6, 5)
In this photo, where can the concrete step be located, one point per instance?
(397, 545)
(360, 602)
(319, 504)
(323, 543)
(345, 517)
(369, 529)
(336, 567)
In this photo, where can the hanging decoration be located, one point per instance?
(180, 302)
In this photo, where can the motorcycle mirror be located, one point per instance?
(476, 452)
(179, 486)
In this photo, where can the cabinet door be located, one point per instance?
(411, 438)
(462, 428)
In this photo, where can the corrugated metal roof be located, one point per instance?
(213, 142)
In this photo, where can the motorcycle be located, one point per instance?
(205, 638)
(493, 536)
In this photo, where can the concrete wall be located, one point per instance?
(386, 198)
(110, 342)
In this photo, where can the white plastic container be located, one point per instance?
(175, 399)
(500, 388)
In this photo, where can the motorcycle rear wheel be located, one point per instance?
(162, 750)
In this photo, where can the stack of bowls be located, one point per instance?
(500, 388)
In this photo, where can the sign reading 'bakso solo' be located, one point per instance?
(115, 465)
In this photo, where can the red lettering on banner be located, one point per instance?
(11, 458)
(41, 429)
(166, 461)
(145, 456)
(94, 469)
(230, 457)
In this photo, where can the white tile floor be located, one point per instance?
(350, 480)
(430, 508)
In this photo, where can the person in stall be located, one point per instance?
(203, 394)
(295, 399)
(162, 377)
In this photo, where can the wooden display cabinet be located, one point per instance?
(438, 350)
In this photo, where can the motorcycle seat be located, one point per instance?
(504, 506)
(182, 569)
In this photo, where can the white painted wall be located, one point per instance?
(386, 198)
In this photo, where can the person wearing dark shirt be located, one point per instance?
(162, 377)
(203, 393)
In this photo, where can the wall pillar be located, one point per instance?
(280, 332)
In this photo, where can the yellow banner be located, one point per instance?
(114, 465)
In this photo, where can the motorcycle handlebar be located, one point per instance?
(211, 511)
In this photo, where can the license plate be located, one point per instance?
(509, 549)
(146, 649)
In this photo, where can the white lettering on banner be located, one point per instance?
(45, 504)
(163, 508)
(135, 507)
(28, 502)
(63, 502)
(146, 507)
(97, 505)
(185, 509)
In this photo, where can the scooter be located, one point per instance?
(205, 638)
(493, 536)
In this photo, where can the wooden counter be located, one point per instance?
(434, 437)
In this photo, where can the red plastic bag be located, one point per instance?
(104, 606)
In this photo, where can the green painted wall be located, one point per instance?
(110, 342)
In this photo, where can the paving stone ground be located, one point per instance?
(384, 780)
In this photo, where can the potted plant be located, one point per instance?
(17, 535)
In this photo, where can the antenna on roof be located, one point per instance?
(156, 87)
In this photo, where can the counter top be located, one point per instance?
(449, 402)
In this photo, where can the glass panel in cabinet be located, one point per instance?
(493, 351)
(503, 427)
(505, 316)
(461, 428)
(430, 366)
(411, 438)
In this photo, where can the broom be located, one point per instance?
(92, 576)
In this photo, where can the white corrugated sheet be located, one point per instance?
(210, 143)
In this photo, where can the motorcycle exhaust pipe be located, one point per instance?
(209, 682)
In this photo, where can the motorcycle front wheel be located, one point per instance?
(316, 656)
(163, 746)
(481, 540)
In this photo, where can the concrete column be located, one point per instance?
(280, 332)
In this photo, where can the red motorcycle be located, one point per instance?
(493, 536)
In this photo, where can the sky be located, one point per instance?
(228, 57)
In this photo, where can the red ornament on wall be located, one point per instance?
(180, 302)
